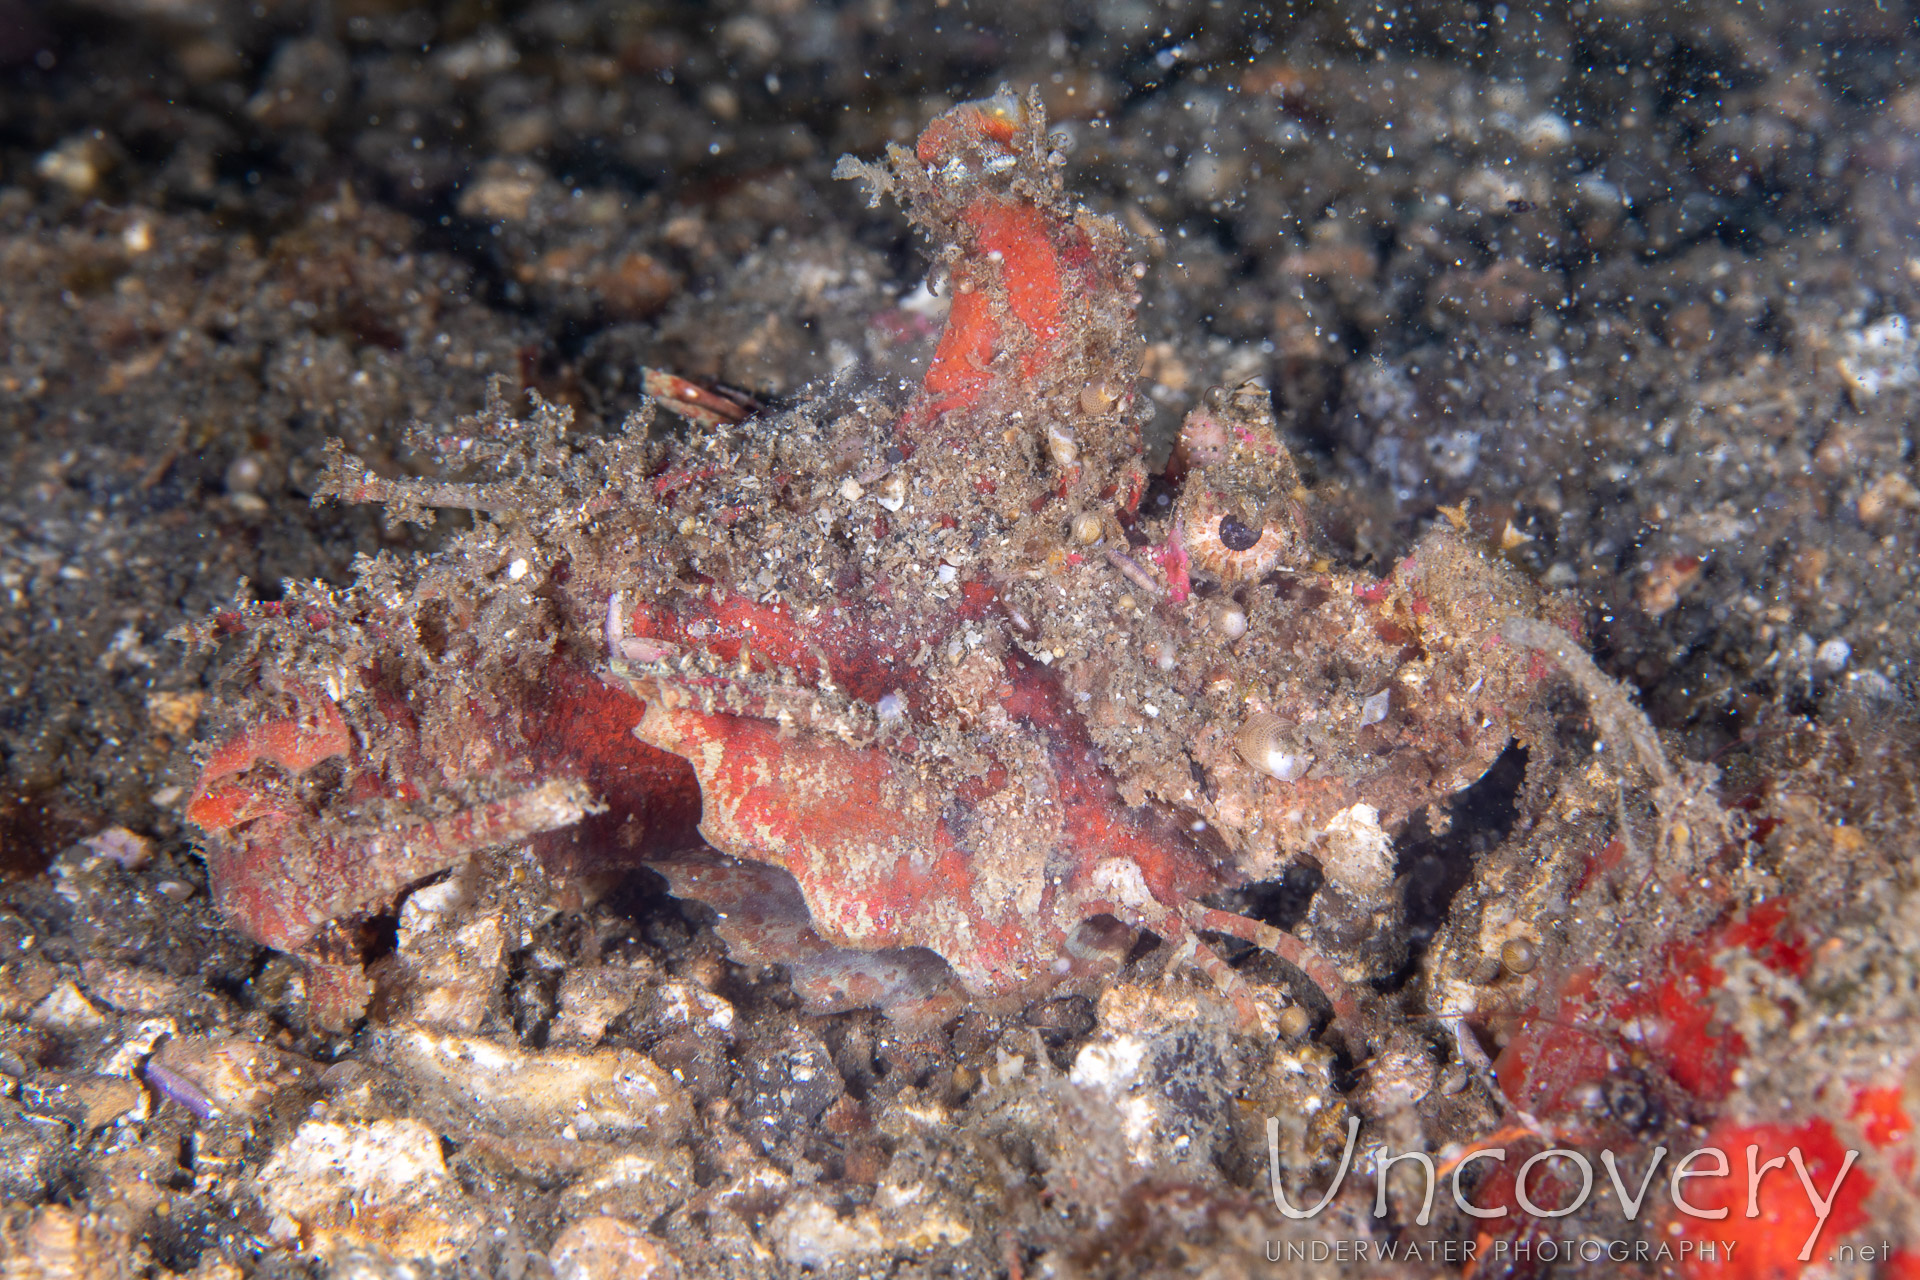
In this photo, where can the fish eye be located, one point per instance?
(1236, 536)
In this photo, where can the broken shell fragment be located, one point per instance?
(604, 1248)
(678, 1005)
(223, 1075)
(445, 977)
(1398, 1078)
(590, 998)
(807, 1232)
(382, 1186)
(1263, 742)
(1356, 853)
(53, 1242)
(600, 1094)
(637, 1186)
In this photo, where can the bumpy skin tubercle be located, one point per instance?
(1039, 355)
(939, 724)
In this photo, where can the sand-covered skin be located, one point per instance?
(1625, 292)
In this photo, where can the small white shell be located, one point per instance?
(1061, 446)
(1519, 955)
(1263, 742)
(1096, 398)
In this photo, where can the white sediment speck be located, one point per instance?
(1873, 685)
(1882, 356)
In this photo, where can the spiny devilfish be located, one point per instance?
(948, 705)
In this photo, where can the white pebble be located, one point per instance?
(244, 474)
(1833, 656)
(1546, 132)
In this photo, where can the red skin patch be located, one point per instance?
(883, 846)
(1173, 559)
(1672, 1011)
(1881, 1114)
(1768, 1246)
(1556, 1052)
(1013, 249)
(295, 744)
(936, 139)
